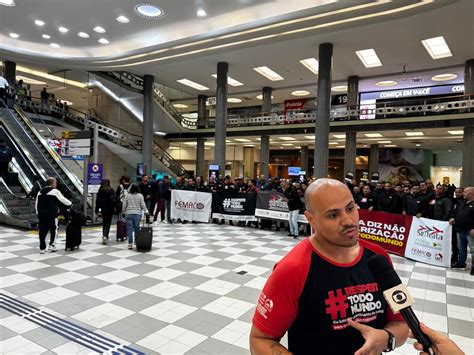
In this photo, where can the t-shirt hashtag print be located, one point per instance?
(336, 305)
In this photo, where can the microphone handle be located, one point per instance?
(414, 324)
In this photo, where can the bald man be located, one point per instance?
(322, 292)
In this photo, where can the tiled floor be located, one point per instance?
(185, 296)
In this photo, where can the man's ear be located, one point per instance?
(309, 216)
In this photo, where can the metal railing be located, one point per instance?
(116, 135)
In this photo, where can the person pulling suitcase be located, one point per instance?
(48, 206)
(133, 208)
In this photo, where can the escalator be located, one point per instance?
(117, 140)
(15, 209)
(47, 161)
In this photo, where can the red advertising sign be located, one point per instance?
(295, 104)
(388, 230)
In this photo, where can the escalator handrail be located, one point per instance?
(32, 211)
(72, 177)
(22, 177)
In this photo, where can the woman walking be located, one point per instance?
(133, 207)
(105, 207)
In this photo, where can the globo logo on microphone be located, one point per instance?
(398, 298)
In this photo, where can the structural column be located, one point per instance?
(249, 160)
(304, 158)
(10, 72)
(147, 143)
(200, 162)
(467, 177)
(202, 117)
(352, 94)
(264, 155)
(374, 159)
(267, 99)
(321, 146)
(221, 116)
(350, 152)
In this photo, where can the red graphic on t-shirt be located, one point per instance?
(336, 305)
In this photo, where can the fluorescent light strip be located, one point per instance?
(268, 73)
(242, 140)
(373, 135)
(369, 58)
(311, 64)
(437, 47)
(414, 134)
(230, 81)
(456, 133)
(192, 84)
(287, 139)
(50, 77)
(256, 39)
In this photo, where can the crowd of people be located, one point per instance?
(441, 202)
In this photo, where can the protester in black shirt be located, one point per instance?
(366, 199)
(145, 190)
(377, 191)
(153, 183)
(440, 207)
(423, 199)
(389, 200)
(356, 193)
(458, 197)
(294, 205)
(410, 202)
(464, 224)
(5, 158)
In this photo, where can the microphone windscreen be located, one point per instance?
(383, 272)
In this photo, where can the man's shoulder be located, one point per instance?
(297, 258)
(374, 248)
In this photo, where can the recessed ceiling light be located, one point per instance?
(7, 2)
(54, 45)
(369, 58)
(414, 134)
(386, 83)
(310, 137)
(234, 100)
(45, 36)
(230, 81)
(148, 11)
(190, 143)
(201, 13)
(384, 142)
(268, 73)
(339, 88)
(390, 145)
(444, 77)
(339, 136)
(333, 143)
(249, 145)
(340, 146)
(192, 84)
(103, 41)
(14, 35)
(260, 97)
(62, 29)
(180, 105)
(122, 19)
(300, 93)
(418, 144)
(99, 29)
(456, 133)
(39, 23)
(437, 47)
(287, 138)
(312, 64)
(373, 135)
(287, 144)
(242, 140)
(83, 35)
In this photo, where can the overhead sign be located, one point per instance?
(94, 177)
(414, 92)
(77, 134)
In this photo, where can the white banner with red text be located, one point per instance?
(191, 205)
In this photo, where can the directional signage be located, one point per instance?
(76, 143)
(94, 177)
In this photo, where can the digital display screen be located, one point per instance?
(294, 170)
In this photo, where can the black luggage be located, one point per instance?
(121, 229)
(75, 221)
(144, 238)
(73, 237)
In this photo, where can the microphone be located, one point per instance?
(397, 296)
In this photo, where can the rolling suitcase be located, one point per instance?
(144, 238)
(75, 221)
(73, 237)
(121, 229)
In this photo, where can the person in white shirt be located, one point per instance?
(3, 87)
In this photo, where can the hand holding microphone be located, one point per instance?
(398, 298)
(442, 345)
